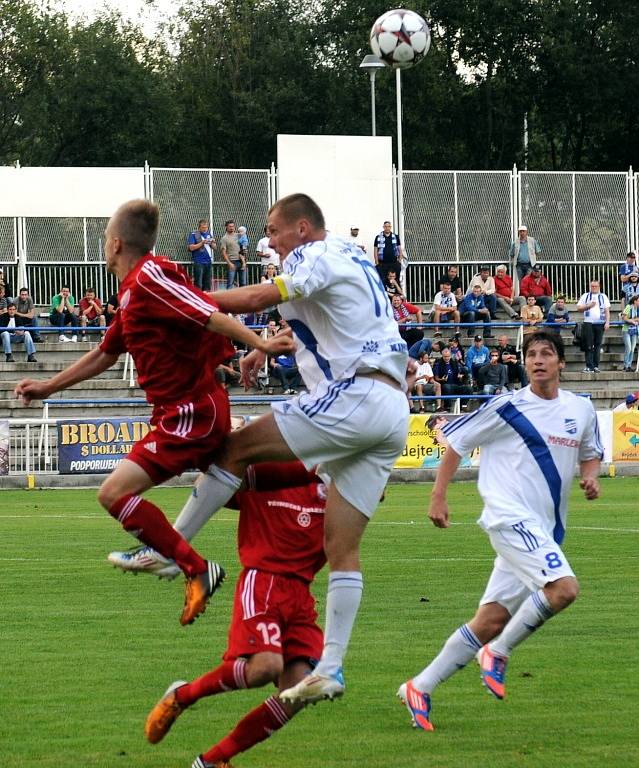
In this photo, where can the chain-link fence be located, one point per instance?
(64, 240)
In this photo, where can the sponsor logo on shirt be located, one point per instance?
(563, 442)
(151, 447)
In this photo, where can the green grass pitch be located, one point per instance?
(87, 650)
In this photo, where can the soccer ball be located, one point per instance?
(400, 38)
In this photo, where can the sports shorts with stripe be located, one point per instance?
(273, 613)
(185, 436)
(527, 559)
(354, 429)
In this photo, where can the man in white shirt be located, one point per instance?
(425, 383)
(539, 433)
(445, 306)
(267, 255)
(356, 239)
(595, 307)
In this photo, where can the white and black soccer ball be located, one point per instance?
(400, 38)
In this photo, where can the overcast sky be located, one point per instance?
(147, 13)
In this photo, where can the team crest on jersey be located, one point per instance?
(125, 299)
(570, 426)
(370, 346)
(304, 519)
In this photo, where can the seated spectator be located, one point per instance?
(451, 375)
(505, 293)
(477, 356)
(91, 313)
(405, 314)
(392, 286)
(10, 322)
(509, 357)
(493, 375)
(425, 345)
(8, 290)
(487, 284)
(111, 308)
(630, 331)
(473, 308)
(25, 310)
(285, 370)
(630, 288)
(425, 383)
(558, 315)
(226, 374)
(63, 312)
(456, 349)
(4, 302)
(445, 306)
(535, 284)
(531, 314)
(629, 267)
(452, 276)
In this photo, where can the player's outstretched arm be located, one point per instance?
(220, 323)
(88, 366)
(438, 509)
(250, 298)
(589, 483)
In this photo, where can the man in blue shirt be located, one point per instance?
(472, 308)
(476, 357)
(201, 244)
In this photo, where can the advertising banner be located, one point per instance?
(425, 444)
(625, 435)
(4, 447)
(95, 446)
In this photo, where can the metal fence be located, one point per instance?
(28, 452)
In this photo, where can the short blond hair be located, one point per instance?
(136, 223)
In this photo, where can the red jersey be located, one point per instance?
(162, 322)
(92, 314)
(281, 527)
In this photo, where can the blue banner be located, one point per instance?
(95, 446)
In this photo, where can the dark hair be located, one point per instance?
(545, 337)
(445, 282)
(89, 290)
(136, 223)
(23, 289)
(560, 296)
(299, 206)
(65, 286)
(11, 304)
(230, 221)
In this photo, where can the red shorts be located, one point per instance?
(186, 436)
(273, 613)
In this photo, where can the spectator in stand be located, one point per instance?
(451, 375)
(405, 314)
(392, 286)
(8, 290)
(267, 255)
(235, 262)
(63, 312)
(629, 267)
(456, 349)
(630, 330)
(472, 309)
(487, 284)
(201, 244)
(356, 239)
(10, 322)
(493, 375)
(523, 253)
(630, 288)
(452, 276)
(387, 252)
(25, 310)
(509, 357)
(91, 313)
(4, 302)
(242, 239)
(595, 307)
(286, 372)
(558, 315)
(531, 314)
(425, 345)
(535, 284)
(425, 384)
(631, 403)
(505, 293)
(226, 374)
(477, 356)
(111, 308)
(445, 306)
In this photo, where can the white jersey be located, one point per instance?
(529, 450)
(266, 253)
(596, 314)
(445, 300)
(340, 314)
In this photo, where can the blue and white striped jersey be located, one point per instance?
(529, 450)
(340, 314)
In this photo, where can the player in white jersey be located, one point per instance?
(353, 422)
(530, 444)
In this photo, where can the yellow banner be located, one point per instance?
(425, 444)
(625, 435)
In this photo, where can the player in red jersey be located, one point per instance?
(273, 635)
(176, 336)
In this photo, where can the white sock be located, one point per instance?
(342, 603)
(458, 650)
(214, 489)
(531, 614)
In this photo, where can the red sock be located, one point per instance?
(258, 725)
(229, 676)
(147, 523)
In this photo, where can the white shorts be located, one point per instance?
(354, 429)
(527, 559)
